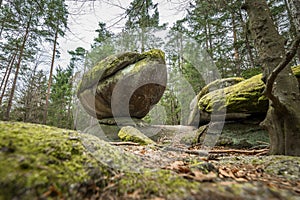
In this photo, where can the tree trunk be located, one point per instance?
(283, 119)
(9, 105)
(294, 8)
(235, 46)
(6, 78)
(247, 42)
(50, 78)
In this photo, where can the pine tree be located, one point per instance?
(60, 107)
(103, 46)
(56, 22)
(140, 21)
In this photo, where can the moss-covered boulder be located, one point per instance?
(215, 85)
(244, 97)
(124, 85)
(129, 133)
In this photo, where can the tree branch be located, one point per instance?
(286, 60)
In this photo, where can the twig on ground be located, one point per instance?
(248, 152)
(206, 153)
(124, 143)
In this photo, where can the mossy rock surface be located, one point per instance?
(241, 136)
(131, 134)
(124, 85)
(244, 97)
(215, 85)
(42, 162)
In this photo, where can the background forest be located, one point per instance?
(33, 88)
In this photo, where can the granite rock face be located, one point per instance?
(124, 85)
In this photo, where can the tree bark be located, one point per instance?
(50, 78)
(18, 66)
(6, 78)
(294, 11)
(235, 46)
(283, 119)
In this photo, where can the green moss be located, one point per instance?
(296, 71)
(243, 97)
(114, 63)
(106, 67)
(34, 157)
(160, 183)
(218, 84)
(131, 134)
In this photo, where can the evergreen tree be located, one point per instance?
(142, 20)
(103, 46)
(60, 107)
(30, 104)
(56, 23)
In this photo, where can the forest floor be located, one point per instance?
(42, 162)
(224, 166)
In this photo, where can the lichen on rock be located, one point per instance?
(35, 157)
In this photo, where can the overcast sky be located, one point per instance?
(84, 18)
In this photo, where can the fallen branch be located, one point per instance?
(124, 143)
(206, 153)
(248, 152)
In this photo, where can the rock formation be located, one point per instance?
(124, 85)
(243, 99)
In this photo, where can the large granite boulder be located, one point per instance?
(124, 85)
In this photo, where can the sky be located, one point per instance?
(84, 19)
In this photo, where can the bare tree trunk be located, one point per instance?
(283, 119)
(236, 50)
(50, 78)
(143, 40)
(6, 78)
(17, 70)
